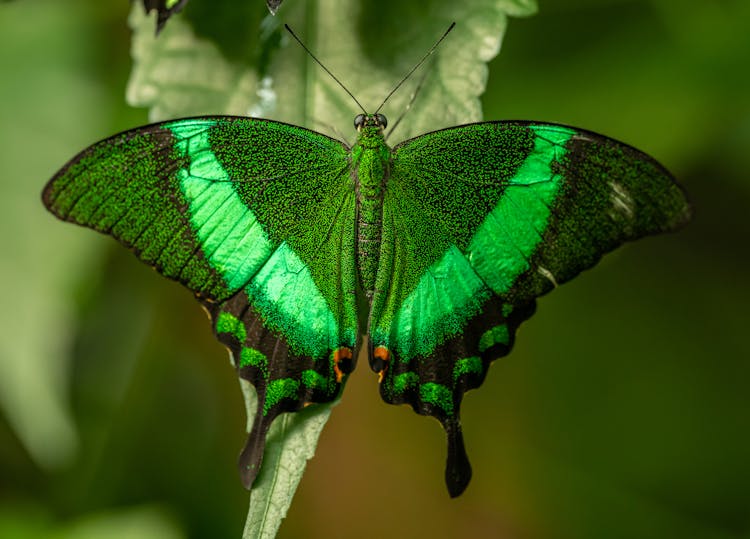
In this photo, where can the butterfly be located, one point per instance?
(298, 245)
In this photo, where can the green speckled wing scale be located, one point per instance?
(479, 220)
(250, 215)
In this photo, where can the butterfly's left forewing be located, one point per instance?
(257, 219)
(478, 221)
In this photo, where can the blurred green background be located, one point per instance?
(624, 411)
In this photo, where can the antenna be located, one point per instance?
(326, 69)
(413, 69)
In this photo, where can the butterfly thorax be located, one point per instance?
(370, 170)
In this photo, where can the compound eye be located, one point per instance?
(359, 121)
(382, 120)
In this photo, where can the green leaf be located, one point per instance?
(290, 444)
(182, 74)
(178, 74)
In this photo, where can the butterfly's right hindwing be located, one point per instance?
(257, 219)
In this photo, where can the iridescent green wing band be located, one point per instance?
(610, 193)
(251, 215)
(478, 221)
(128, 186)
(296, 184)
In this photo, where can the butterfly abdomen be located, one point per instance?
(370, 167)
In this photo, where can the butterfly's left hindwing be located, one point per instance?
(478, 221)
(257, 219)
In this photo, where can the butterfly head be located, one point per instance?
(370, 120)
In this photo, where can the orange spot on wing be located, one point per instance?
(383, 354)
(339, 356)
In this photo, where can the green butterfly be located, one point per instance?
(298, 245)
